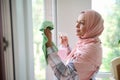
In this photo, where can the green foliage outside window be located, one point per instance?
(39, 62)
(111, 36)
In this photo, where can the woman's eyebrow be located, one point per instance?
(80, 21)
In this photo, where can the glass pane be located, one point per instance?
(39, 63)
(110, 11)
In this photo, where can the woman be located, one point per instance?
(85, 59)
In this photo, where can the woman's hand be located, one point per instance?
(49, 36)
(63, 40)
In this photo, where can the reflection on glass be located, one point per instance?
(39, 63)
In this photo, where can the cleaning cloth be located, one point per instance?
(45, 25)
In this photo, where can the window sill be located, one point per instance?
(105, 75)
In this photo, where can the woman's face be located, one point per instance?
(80, 25)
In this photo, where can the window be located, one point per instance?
(38, 16)
(42, 10)
(109, 10)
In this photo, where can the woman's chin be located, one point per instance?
(78, 35)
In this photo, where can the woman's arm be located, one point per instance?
(61, 71)
(63, 52)
(64, 48)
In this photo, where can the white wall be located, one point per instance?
(67, 13)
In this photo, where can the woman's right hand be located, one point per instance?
(49, 36)
(63, 40)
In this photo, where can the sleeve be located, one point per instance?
(61, 71)
(66, 49)
(63, 52)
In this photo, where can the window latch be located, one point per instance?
(5, 43)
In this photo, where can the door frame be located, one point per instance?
(2, 64)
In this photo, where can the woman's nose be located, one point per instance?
(77, 25)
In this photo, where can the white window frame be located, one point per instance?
(23, 39)
(52, 10)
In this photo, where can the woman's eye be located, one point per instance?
(82, 22)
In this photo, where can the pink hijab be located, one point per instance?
(87, 54)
